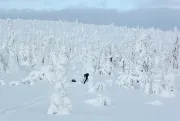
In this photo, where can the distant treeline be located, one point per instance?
(165, 19)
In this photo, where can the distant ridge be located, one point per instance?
(162, 18)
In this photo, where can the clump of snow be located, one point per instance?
(156, 87)
(2, 82)
(51, 74)
(48, 73)
(32, 78)
(59, 87)
(14, 83)
(60, 104)
(100, 86)
(167, 94)
(126, 81)
(100, 100)
(101, 72)
(155, 103)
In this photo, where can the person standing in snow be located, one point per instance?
(86, 77)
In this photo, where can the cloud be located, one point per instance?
(160, 4)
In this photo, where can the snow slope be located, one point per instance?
(127, 68)
(30, 103)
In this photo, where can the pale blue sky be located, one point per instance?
(113, 4)
(59, 4)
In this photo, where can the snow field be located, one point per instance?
(39, 59)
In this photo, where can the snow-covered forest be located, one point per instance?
(134, 58)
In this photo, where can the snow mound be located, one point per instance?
(32, 78)
(155, 103)
(101, 72)
(99, 101)
(60, 104)
(2, 82)
(101, 86)
(126, 81)
(49, 73)
(59, 87)
(167, 94)
(14, 83)
(52, 74)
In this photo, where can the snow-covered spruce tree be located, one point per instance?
(12, 58)
(102, 60)
(164, 84)
(2, 63)
(128, 76)
(144, 64)
(96, 60)
(1, 67)
(167, 84)
(106, 65)
(60, 104)
(175, 54)
(109, 58)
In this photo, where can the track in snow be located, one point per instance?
(26, 104)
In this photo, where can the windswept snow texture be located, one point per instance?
(134, 73)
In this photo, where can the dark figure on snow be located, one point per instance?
(86, 77)
(73, 80)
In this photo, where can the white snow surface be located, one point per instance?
(14, 83)
(155, 103)
(31, 103)
(133, 72)
(100, 100)
(2, 83)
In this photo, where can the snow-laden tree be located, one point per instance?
(1, 67)
(122, 65)
(175, 54)
(13, 65)
(103, 100)
(168, 84)
(60, 103)
(128, 81)
(105, 64)
(138, 54)
(145, 61)
(87, 65)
